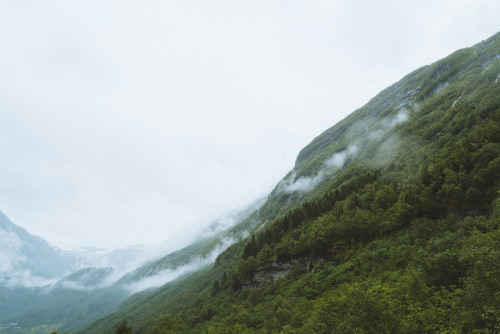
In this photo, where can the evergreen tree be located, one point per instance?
(123, 328)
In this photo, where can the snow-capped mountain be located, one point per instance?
(29, 261)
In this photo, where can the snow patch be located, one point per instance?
(498, 77)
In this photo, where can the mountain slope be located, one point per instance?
(27, 258)
(388, 222)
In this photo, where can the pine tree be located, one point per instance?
(123, 328)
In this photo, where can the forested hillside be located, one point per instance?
(388, 223)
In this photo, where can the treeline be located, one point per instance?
(433, 276)
(307, 211)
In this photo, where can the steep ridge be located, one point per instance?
(406, 188)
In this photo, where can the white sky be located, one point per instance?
(127, 122)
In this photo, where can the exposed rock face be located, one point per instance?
(275, 270)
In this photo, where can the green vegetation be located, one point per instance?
(64, 309)
(404, 237)
(123, 328)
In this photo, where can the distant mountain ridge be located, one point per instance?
(90, 282)
(27, 252)
(36, 258)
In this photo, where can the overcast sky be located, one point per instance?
(128, 122)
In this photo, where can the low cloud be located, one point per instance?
(89, 279)
(169, 275)
(401, 117)
(306, 184)
(388, 124)
(24, 278)
(13, 272)
(10, 251)
(440, 88)
(338, 160)
(303, 184)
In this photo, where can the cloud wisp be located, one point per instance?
(168, 275)
(338, 160)
(306, 184)
(13, 272)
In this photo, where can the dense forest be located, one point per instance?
(388, 223)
